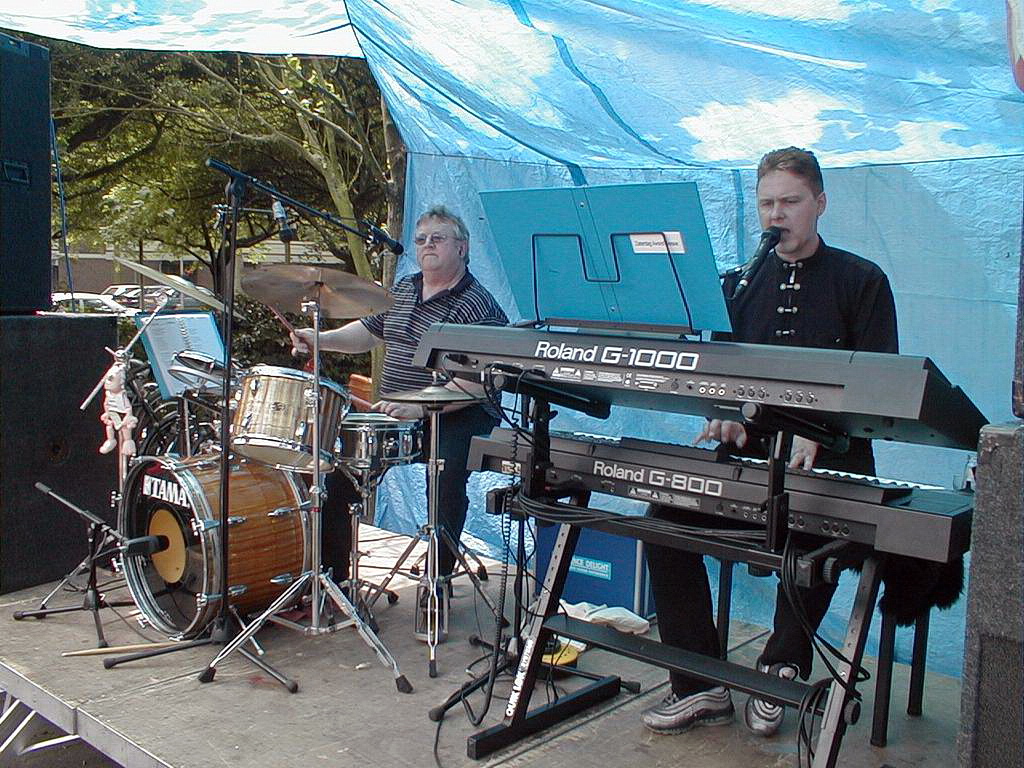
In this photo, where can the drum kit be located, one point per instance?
(228, 527)
(285, 423)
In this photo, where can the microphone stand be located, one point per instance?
(99, 534)
(99, 531)
(321, 586)
(220, 628)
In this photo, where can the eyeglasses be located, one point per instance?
(435, 238)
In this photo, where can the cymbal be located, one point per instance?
(197, 292)
(339, 294)
(435, 393)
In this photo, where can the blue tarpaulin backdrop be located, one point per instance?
(909, 104)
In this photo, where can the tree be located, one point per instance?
(135, 128)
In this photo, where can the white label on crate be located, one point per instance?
(588, 566)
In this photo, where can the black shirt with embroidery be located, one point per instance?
(833, 300)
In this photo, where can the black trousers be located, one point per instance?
(682, 597)
(454, 432)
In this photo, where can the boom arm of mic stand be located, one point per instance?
(84, 513)
(255, 183)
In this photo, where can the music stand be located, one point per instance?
(623, 256)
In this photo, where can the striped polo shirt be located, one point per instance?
(402, 326)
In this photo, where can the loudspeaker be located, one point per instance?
(24, 176)
(992, 688)
(48, 365)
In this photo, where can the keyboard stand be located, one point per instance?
(841, 707)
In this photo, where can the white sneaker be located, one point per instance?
(763, 717)
(676, 714)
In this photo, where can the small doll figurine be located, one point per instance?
(117, 413)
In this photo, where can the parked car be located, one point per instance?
(126, 294)
(90, 302)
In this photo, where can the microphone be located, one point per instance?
(378, 235)
(144, 545)
(287, 234)
(769, 239)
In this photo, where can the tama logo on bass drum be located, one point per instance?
(165, 490)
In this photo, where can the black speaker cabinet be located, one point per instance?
(48, 365)
(24, 176)
(992, 689)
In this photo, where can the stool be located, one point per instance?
(361, 387)
(883, 679)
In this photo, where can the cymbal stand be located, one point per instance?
(444, 537)
(435, 466)
(463, 555)
(430, 530)
(316, 580)
(121, 357)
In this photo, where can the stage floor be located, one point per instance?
(348, 712)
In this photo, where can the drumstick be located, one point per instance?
(359, 401)
(120, 649)
(308, 365)
(291, 329)
(284, 320)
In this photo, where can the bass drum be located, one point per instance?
(177, 589)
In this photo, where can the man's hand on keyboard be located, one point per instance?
(804, 453)
(723, 432)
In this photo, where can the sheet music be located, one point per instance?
(172, 333)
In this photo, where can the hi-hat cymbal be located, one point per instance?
(340, 294)
(434, 394)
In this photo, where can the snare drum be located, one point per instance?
(370, 441)
(273, 420)
(177, 589)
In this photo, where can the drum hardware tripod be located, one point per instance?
(319, 582)
(101, 536)
(463, 556)
(455, 547)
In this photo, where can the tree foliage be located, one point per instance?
(135, 128)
